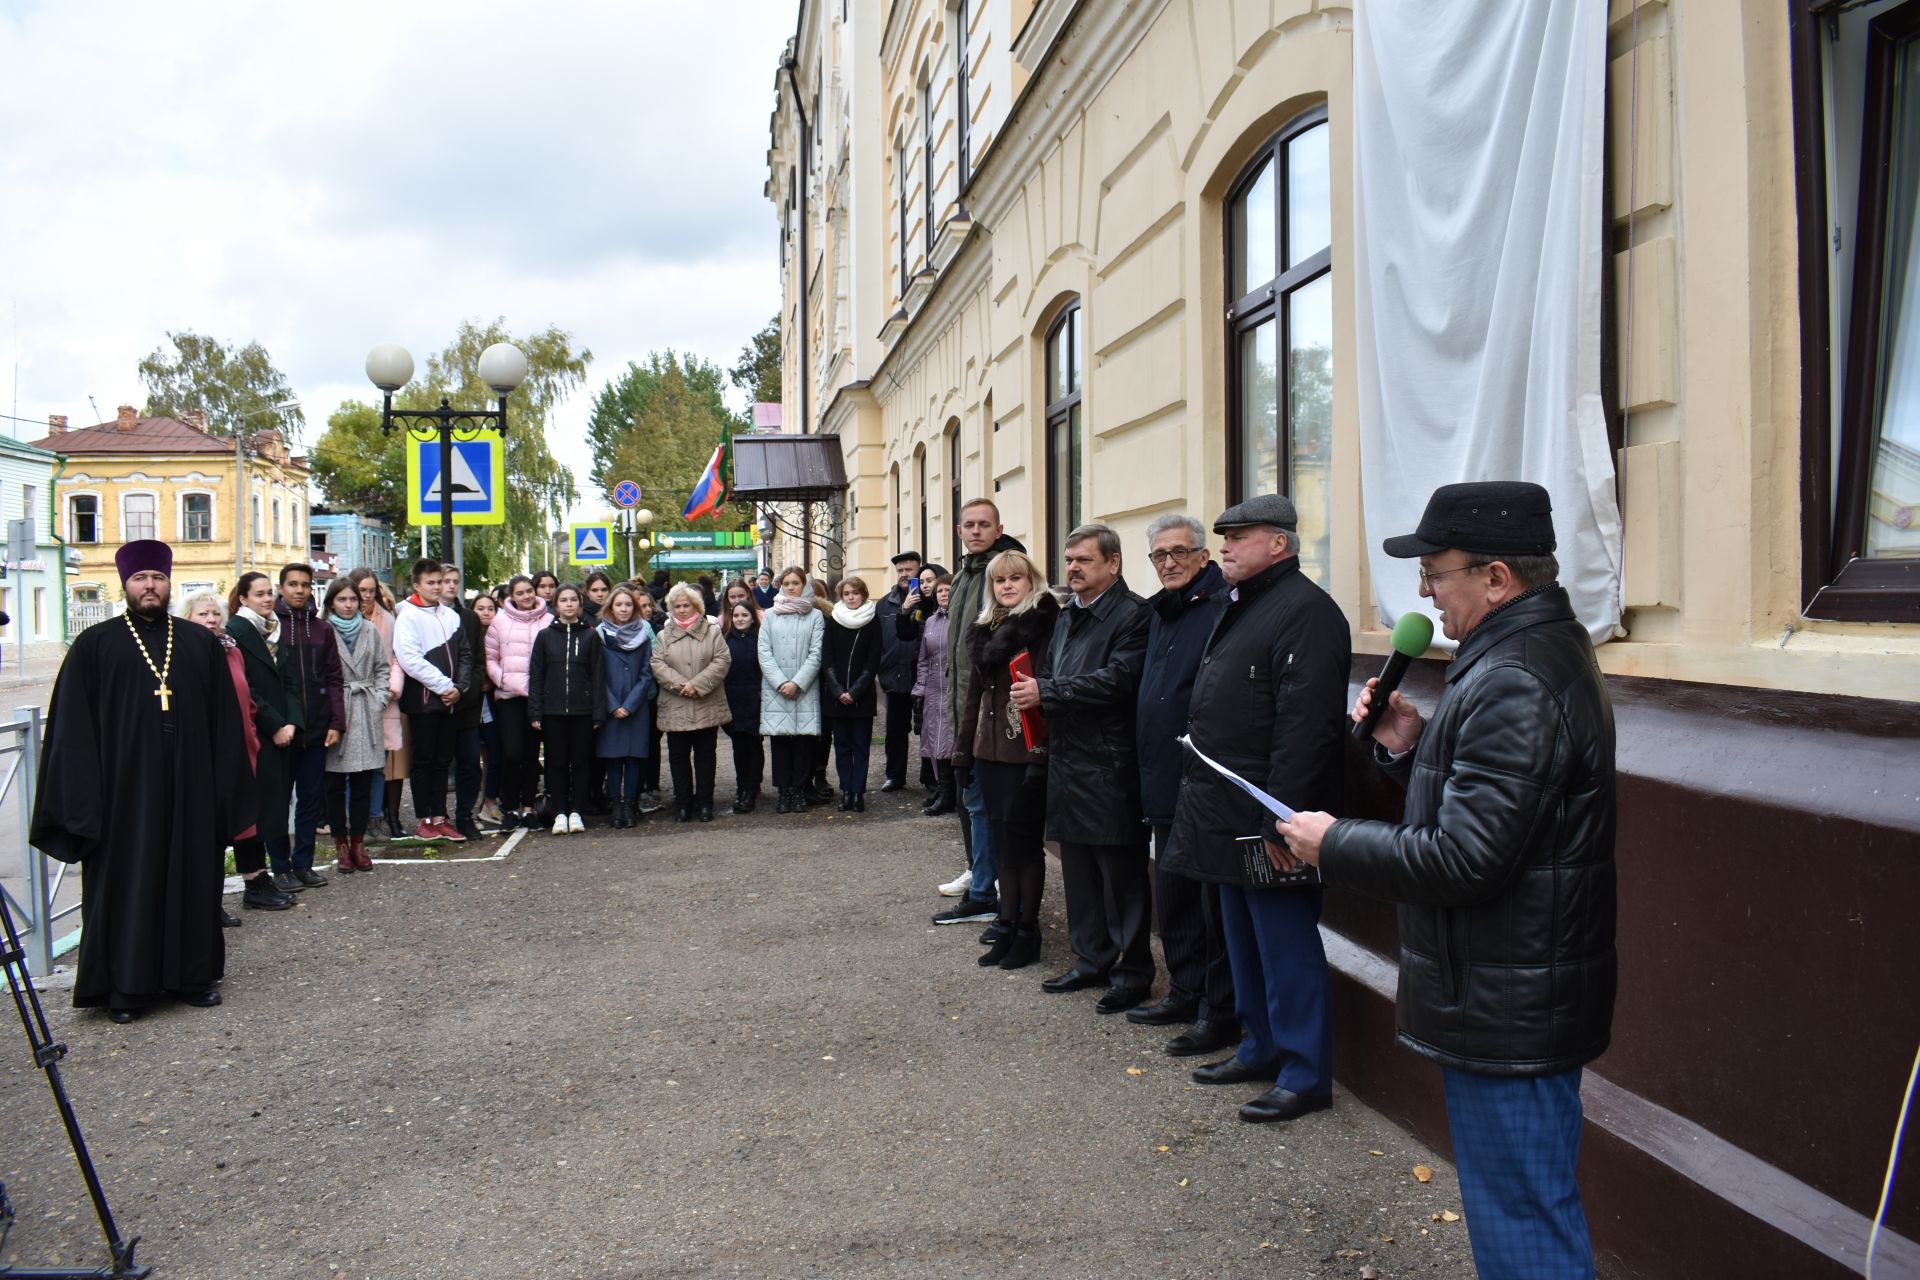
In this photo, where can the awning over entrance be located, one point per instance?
(782, 467)
(722, 558)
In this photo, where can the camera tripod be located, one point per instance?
(46, 1056)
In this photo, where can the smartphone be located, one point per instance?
(913, 584)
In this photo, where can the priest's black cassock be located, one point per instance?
(146, 799)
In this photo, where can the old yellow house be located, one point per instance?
(137, 477)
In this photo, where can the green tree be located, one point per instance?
(758, 370)
(228, 383)
(357, 468)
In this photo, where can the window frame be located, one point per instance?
(1267, 300)
(126, 531)
(899, 507)
(926, 151)
(1064, 415)
(1836, 583)
(963, 133)
(954, 464)
(900, 169)
(180, 514)
(920, 497)
(72, 517)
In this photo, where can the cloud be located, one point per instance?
(323, 177)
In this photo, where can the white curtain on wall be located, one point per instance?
(1478, 252)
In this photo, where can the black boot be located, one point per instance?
(1025, 949)
(859, 802)
(999, 951)
(783, 803)
(744, 801)
(942, 802)
(683, 813)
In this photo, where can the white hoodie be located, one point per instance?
(418, 629)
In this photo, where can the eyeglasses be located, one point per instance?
(1160, 557)
(1426, 578)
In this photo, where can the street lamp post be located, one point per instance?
(503, 367)
(643, 519)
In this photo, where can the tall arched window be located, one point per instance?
(920, 499)
(953, 494)
(897, 508)
(1279, 238)
(1064, 460)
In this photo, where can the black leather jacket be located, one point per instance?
(1088, 696)
(1269, 702)
(1504, 866)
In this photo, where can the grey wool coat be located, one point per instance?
(790, 646)
(363, 686)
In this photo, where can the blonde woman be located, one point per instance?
(1017, 618)
(690, 661)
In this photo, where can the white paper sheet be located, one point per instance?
(1267, 802)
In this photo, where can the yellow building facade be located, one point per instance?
(149, 477)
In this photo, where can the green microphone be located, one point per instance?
(1411, 636)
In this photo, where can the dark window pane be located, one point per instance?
(1253, 235)
(1893, 492)
(1310, 417)
(1309, 213)
(1259, 409)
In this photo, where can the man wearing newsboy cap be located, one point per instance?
(1503, 869)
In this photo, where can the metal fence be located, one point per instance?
(20, 758)
(82, 614)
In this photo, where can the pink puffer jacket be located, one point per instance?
(510, 646)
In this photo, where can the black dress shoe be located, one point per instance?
(1204, 1037)
(683, 814)
(706, 813)
(467, 827)
(261, 895)
(1232, 1071)
(859, 802)
(199, 999)
(1122, 997)
(1163, 1013)
(309, 877)
(1283, 1104)
(228, 920)
(846, 803)
(287, 882)
(892, 784)
(121, 1016)
(1074, 979)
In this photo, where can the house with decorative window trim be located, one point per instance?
(168, 478)
(30, 590)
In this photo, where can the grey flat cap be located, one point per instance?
(1275, 509)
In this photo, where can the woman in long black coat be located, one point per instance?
(276, 716)
(849, 672)
(741, 628)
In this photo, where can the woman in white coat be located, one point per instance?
(791, 634)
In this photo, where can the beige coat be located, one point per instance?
(695, 655)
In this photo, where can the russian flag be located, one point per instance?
(710, 492)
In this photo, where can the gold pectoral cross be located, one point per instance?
(164, 694)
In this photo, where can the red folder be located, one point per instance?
(1032, 723)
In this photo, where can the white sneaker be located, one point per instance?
(574, 823)
(957, 887)
(560, 827)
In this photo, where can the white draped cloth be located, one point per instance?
(1478, 257)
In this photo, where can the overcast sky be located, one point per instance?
(324, 177)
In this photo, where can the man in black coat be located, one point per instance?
(1503, 868)
(1269, 703)
(898, 659)
(1093, 801)
(1192, 595)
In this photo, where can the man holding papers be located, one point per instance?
(1503, 869)
(1268, 704)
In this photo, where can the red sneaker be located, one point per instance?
(449, 832)
(427, 831)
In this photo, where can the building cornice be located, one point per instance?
(1093, 42)
(846, 401)
(964, 276)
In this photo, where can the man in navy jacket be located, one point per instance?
(1192, 593)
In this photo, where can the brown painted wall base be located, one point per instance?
(1769, 856)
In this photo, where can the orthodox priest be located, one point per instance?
(143, 782)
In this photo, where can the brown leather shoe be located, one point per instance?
(361, 862)
(343, 856)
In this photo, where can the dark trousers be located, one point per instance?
(1109, 909)
(1280, 983)
(309, 801)
(899, 734)
(249, 856)
(650, 765)
(349, 798)
(623, 777)
(517, 765)
(433, 737)
(466, 771)
(792, 760)
(490, 744)
(749, 759)
(852, 752)
(690, 755)
(1516, 1141)
(1191, 937)
(569, 761)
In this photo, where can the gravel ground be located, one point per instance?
(736, 1049)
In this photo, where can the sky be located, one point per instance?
(321, 178)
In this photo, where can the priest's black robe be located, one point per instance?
(146, 801)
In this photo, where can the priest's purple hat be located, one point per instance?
(143, 555)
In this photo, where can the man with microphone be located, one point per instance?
(1503, 869)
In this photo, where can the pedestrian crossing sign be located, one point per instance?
(592, 543)
(479, 479)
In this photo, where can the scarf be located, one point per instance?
(627, 636)
(348, 629)
(267, 624)
(689, 624)
(853, 619)
(784, 603)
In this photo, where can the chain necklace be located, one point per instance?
(160, 672)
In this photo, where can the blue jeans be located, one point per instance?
(623, 778)
(1280, 984)
(309, 800)
(986, 866)
(378, 804)
(1516, 1140)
